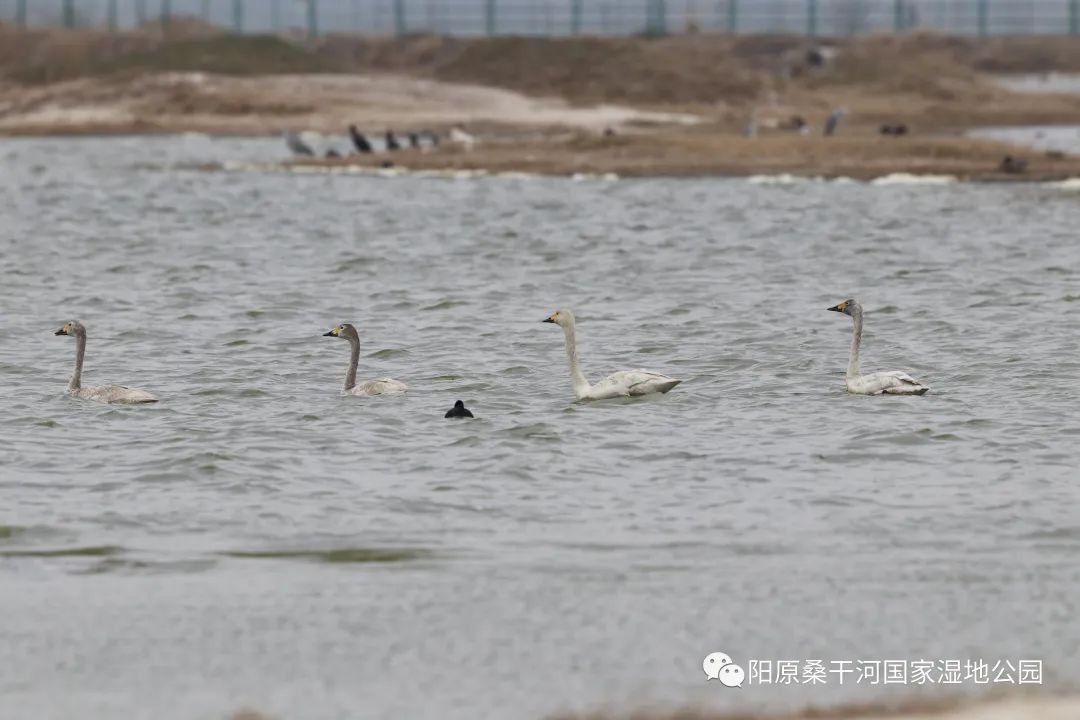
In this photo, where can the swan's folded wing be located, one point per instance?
(634, 382)
(892, 383)
(117, 394)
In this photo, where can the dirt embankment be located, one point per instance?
(676, 104)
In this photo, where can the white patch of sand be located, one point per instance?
(321, 103)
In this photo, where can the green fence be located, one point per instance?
(565, 17)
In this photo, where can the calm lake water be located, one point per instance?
(255, 539)
(1060, 138)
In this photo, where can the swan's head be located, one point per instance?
(848, 307)
(71, 327)
(562, 318)
(344, 330)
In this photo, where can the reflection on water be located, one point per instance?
(257, 540)
(1060, 138)
(1068, 83)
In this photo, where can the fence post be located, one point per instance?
(654, 18)
(166, 14)
(811, 18)
(489, 16)
(69, 13)
(732, 16)
(20, 14)
(1074, 17)
(312, 19)
(984, 18)
(112, 15)
(238, 16)
(898, 22)
(575, 16)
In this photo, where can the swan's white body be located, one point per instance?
(381, 386)
(625, 383)
(113, 394)
(887, 383)
(879, 383)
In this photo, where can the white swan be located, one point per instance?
(117, 394)
(625, 383)
(382, 386)
(888, 383)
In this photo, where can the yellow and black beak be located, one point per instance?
(553, 319)
(840, 307)
(333, 333)
(63, 330)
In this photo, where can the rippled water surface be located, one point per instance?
(256, 539)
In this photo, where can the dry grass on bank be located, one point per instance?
(688, 68)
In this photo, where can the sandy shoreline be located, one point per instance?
(1004, 708)
(645, 156)
(676, 106)
(1015, 707)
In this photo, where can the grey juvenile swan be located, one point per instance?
(381, 386)
(101, 393)
(625, 383)
(887, 383)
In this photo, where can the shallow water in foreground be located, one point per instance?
(257, 540)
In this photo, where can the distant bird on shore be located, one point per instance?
(895, 130)
(332, 153)
(431, 136)
(833, 120)
(297, 145)
(459, 136)
(414, 140)
(458, 411)
(751, 128)
(796, 123)
(392, 143)
(358, 140)
(1013, 165)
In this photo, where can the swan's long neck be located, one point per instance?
(354, 360)
(581, 385)
(80, 351)
(856, 340)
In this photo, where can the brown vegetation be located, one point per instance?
(680, 69)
